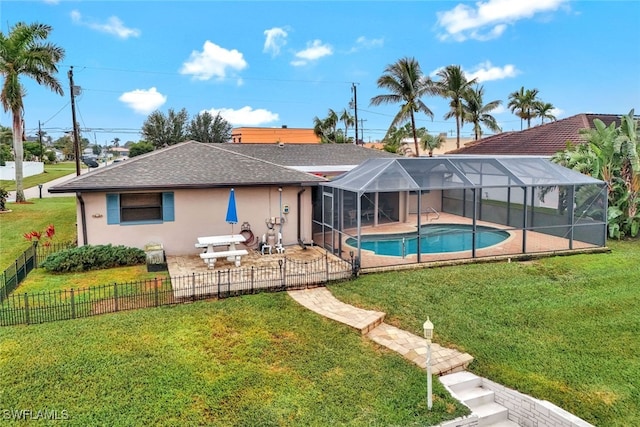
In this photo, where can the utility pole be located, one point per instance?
(355, 107)
(362, 129)
(40, 139)
(76, 143)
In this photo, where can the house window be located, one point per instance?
(139, 208)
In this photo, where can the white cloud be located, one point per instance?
(485, 72)
(315, 50)
(275, 39)
(364, 43)
(213, 61)
(113, 26)
(489, 18)
(246, 116)
(143, 101)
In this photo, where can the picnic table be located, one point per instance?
(230, 251)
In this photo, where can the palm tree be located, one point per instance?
(348, 121)
(544, 110)
(325, 128)
(454, 85)
(407, 85)
(24, 52)
(522, 104)
(476, 112)
(431, 142)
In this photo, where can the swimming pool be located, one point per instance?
(435, 238)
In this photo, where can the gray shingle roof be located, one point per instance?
(301, 155)
(187, 165)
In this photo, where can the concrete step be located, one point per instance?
(461, 381)
(490, 413)
(475, 396)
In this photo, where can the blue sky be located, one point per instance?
(283, 63)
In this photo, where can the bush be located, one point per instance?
(85, 258)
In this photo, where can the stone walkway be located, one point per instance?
(371, 324)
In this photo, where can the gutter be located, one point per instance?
(83, 218)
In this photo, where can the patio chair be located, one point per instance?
(265, 246)
(279, 247)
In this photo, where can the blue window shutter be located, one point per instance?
(113, 209)
(167, 207)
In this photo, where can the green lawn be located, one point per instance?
(259, 360)
(51, 172)
(563, 329)
(35, 215)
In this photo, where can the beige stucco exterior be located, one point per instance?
(201, 212)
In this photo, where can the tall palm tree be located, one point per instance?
(453, 84)
(522, 104)
(348, 121)
(24, 52)
(407, 84)
(544, 110)
(476, 112)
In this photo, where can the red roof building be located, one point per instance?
(541, 140)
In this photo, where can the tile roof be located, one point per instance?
(309, 154)
(189, 164)
(542, 140)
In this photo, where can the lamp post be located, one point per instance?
(40, 190)
(428, 334)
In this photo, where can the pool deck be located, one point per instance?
(537, 244)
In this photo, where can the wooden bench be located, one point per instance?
(210, 258)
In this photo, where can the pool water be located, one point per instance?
(435, 238)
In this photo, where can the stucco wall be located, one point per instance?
(201, 213)
(274, 136)
(8, 172)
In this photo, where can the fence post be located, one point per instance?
(26, 308)
(35, 254)
(193, 286)
(218, 279)
(252, 277)
(326, 267)
(280, 262)
(156, 292)
(115, 295)
(73, 305)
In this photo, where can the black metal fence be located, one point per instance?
(13, 275)
(75, 303)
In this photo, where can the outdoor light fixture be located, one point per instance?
(40, 189)
(428, 334)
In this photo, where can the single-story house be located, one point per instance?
(542, 140)
(174, 195)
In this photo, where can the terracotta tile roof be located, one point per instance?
(542, 140)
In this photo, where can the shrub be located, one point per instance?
(85, 258)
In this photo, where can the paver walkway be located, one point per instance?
(371, 324)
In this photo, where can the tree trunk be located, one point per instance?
(457, 131)
(415, 136)
(19, 154)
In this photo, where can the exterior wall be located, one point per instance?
(527, 411)
(273, 136)
(201, 213)
(8, 172)
(432, 199)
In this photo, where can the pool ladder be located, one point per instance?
(429, 210)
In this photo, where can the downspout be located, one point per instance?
(300, 242)
(83, 219)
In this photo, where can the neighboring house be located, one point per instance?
(542, 140)
(119, 151)
(174, 195)
(407, 143)
(284, 135)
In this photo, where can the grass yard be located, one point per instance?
(35, 215)
(51, 172)
(563, 329)
(259, 360)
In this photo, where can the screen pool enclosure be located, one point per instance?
(411, 210)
